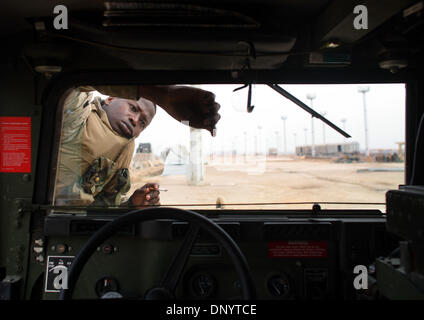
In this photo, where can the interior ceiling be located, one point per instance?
(280, 11)
(275, 33)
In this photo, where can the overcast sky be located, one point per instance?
(385, 115)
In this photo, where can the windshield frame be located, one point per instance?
(54, 93)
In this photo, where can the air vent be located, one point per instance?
(166, 15)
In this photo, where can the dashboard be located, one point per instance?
(291, 255)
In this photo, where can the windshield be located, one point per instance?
(277, 156)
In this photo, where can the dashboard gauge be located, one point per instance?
(112, 295)
(279, 286)
(202, 285)
(105, 285)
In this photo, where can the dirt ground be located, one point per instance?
(280, 180)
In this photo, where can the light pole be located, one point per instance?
(364, 90)
(311, 97)
(344, 123)
(284, 118)
(323, 127)
(306, 139)
(245, 146)
(295, 142)
(323, 132)
(260, 140)
(277, 141)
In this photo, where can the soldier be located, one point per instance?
(97, 142)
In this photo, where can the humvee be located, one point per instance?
(200, 252)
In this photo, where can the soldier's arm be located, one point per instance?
(120, 91)
(183, 103)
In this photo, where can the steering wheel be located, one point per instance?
(166, 289)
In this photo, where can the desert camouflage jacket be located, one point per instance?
(93, 158)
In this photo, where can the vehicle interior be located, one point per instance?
(218, 243)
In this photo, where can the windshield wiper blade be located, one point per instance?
(315, 114)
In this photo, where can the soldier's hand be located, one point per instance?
(194, 105)
(147, 195)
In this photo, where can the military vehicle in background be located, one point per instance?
(145, 163)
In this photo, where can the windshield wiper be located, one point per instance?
(315, 114)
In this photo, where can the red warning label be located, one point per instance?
(297, 249)
(15, 144)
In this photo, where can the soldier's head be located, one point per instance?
(129, 117)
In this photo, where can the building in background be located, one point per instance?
(328, 150)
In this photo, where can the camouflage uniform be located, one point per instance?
(93, 158)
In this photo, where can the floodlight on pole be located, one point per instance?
(284, 118)
(311, 97)
(364, 90)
